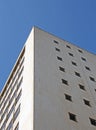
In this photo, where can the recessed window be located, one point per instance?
(10, 125)
(74, 63)
(95, 90)
(92, 79)
(87, 68)
(62, 69)
(86, 102)
(82, 86)
(18, 97)
(68, 46)
(70, 54)
(57, 49)
(59, 58)
(11, 111)
(72, 117)
(16, 113)
(56, 42)
(80, 51)
(64, 81)
(68, 97)
(17, 126)
(77, 74)
(92, 121)
(83, 58)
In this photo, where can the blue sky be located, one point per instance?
(72, 20)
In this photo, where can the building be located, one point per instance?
(52, 87)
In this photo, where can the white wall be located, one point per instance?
(26, 114)
(51, 108)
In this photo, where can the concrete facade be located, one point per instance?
(58, 89)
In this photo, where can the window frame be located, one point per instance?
(92, 79)
(55, 41)
(57, 49)
(64, 81)
(87, 102)
(71, 54)
(61, 69)
(92, 121)
(72, 117)
(74, 63)
(87, 68)
(59, 58)
(82, 87)
(68, 97)
(68, 46)
(84, 59)
(77, 74)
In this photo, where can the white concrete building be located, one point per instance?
(52, 87)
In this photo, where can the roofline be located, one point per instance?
(65, 40)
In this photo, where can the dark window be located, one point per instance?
(70, 54)
(18, 97)
(72, 117)
(62, 69)
(68, 97)
(3, 125)
(10, 125)
(20, 72)
(95, 90)
(16, 113)
(64, 81)
(87, 68)
(77, 74)
(17, 126)
(92, 79)
(87, 102)
(83, 58)
(57, 49)
(56, 42)
(68, 46)
(93, 121)
(80, 51)
(4, 113)
(10, 112)
(73, 63)
(59, 58)
(82, 86)
(19, 84)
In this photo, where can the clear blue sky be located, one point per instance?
(72, 20)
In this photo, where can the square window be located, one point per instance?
(57, 49)
(68, 46)
(62, 69)
(70, 54)
(83, 58)
(56, 42)
(68, 97)
(93, 121)
(74, 63)
(80, 51)
(82, 86)
(92, 79)
(72, 117)
(87, 68)
(86, 102)
(64, 81)
(77, 74)
(59, 58)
